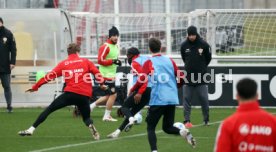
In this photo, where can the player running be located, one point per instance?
(164, 94)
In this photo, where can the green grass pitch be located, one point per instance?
(61, 132)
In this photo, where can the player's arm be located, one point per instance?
(56, 72)
(208, 54)
(142, 82)
(178, 74)
(182, 51)
(138, 69)
(223, 140)
(103, 52)
(12, 49)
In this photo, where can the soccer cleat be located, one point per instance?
(132, 121)
(191, 140)
(188, 125)
(114, 134)
(188, 136)
(206, 123)
(94, 132)
(109, 118)
(25, 133)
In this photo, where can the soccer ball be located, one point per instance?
(139, 118)
(179, 125)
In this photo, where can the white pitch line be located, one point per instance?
(91, 142)
(106, 140)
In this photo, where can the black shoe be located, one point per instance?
(9, 109)
(206, 123)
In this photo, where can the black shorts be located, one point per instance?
(111, 87)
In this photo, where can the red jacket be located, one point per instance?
(147, 69)
(250, 129)
(76, 72)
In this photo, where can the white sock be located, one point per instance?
(92, 106)
(31, 129)
(154, 151)
(183, 132)
(107, 113)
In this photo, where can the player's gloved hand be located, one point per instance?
(117, 62)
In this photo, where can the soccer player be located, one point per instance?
(164, 97)
(108, 61)
(76, 72)
(132, 106)
(250, 128)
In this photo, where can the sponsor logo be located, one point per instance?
(261, 130)
(244, 129)
(244, 146)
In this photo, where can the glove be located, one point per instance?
(117, 62)
(120, 113)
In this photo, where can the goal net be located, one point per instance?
(229, 32)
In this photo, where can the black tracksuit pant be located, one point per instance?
(66, 99)
(154, 115)
(129, 108)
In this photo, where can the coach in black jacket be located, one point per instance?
(7, 61)
(196, 54)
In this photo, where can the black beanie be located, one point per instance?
(113, 31)
(192, 30)
(1, 20)
(133, 51)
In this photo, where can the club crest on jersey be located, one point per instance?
(200, 50)
(4, 40)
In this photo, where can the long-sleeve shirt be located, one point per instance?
(250, 129)
(76, 72)
(103, 52)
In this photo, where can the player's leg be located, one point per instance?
(82, 103)
(154, 114)
(98, 101)
(168, 120)
(187, 105)
(127, 105)
(5, 80)
(59, 102)
(202, 92)
(137, 107)
(110, 101)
